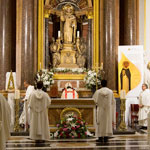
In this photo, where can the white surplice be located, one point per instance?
(144, 99)
(39, 102)
(24, 118)
(106, 111)
(5, 119)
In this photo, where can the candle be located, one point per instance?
(17, 94)
(78, 34)
(123, 94)
(101, 67)
(58, 34)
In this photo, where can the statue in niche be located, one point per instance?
(81, 52)
(55, 48)
(70, 24)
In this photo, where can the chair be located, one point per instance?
(134, 114)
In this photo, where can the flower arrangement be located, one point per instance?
(45, 76)
(72, 127)
(92, 79)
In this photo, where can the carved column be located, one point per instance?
(90, 43)
(47, 56)
(26, 41)
(110, 41)
(130, 22)
(6, 43)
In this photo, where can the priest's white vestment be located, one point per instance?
(39, 102)
(144, 99)
(106, 113)
(24, 118)
(5, 119)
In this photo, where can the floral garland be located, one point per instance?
(66, 70)
(72, 127)
(45, 76)
(92, 79)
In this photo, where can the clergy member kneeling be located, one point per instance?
(39, 102)
(5, 118)
(69, 92)
(105, 102)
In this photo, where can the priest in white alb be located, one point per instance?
(144, 105)
(69, 92)
(39, 102)
(5, 119)
(106, 112)
(24, 118)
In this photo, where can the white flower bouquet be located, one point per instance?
(45, 76)
(92, 80)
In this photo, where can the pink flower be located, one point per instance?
(58, 125)
(65, 129)
(82, 122)
(65, 126)
(78, 126)
(72, 136)
(85, 133)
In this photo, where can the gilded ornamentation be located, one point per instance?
(81, 52)
(11, 85)
(69, 111)
(55, 48)
(70, 24)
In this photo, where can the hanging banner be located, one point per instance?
(130, 69)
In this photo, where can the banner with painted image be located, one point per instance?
(130, 69)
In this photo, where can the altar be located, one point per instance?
(83, 106)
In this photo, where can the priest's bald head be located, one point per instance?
(104, 83)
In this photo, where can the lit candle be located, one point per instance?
(17, 94)
(78, 34)
(58, 34)
(101, 67)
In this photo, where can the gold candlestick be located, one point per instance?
(16, 127)
(122, 126)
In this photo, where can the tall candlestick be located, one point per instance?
(58, 34)
(78, 34)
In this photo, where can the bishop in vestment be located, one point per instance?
(39, 102)
(105, 102)
(5, 119)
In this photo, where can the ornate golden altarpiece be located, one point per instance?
(84, 107)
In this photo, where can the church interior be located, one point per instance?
(71, 46)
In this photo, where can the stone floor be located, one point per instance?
(136, 141)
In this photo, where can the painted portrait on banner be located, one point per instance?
(130, 69)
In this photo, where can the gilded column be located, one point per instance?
(5, 40)
(110, 41)
(25, 41)
(130, 17)
(96, 35)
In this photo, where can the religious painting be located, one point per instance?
(130, 69)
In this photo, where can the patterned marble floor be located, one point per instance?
(118, 142)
